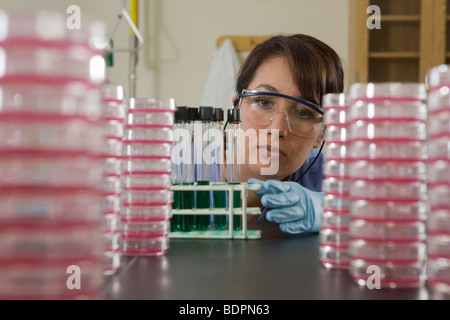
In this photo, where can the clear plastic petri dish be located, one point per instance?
(391, 170)
(388, 109)
(334, 238)
(384, 211)
(438, 99)
(29, 59)
(110, 224)
(438, 124)
(439, 195)
(438, 272)
(336, 115)
(148, 134)
(334, 221)
(65, 205)
(391, 275)
(152, 196)
(148, 118)
(48, 281)
(439, 148)
(147, 165)
(111, 185)
(388, 190)
(143, 181)
(50, 242)
(336, 203)
(144, 246)
(332, 258)
(154, 105)
(438, 222)
(50, 28)
(132, 213)
(145, 230)
(438, 76)
(335, 150)
(337, 133)
(384, 150)
(394, 91)
(438, 171)
(41, 169)
(112, 148)
(394, 130)
(112, 128)
(398, 232)
(438, 246)
(50, 134)
(337, 186)
(336, 168)
(111, 262)
(133, 149)
(63, 98)
(375, 252)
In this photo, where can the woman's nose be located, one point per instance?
(280, 123)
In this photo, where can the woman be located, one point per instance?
(279, 92)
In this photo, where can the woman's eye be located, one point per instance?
(302, 113)
(264, 103)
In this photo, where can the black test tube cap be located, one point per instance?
(234, 115)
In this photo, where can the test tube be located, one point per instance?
(175, 221)
(187, 119)
(233, 146)
(203, 164)
(218, 168)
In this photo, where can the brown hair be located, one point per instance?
(316, 67)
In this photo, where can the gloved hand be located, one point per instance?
(294, 207)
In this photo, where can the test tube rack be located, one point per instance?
(229, 233)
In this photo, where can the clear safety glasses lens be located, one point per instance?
(260, 108)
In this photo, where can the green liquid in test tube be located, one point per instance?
(188, 202)
(203, 164)
(218, 169)
(232, 132)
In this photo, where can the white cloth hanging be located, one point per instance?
(220, 82)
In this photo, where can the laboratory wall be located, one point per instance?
(180, 35)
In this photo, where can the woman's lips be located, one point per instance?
(272, 152)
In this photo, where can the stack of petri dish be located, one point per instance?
(388, 190)
(50, 171)
(438, 176)
(146, 198)
(113, 115)
(334, 236)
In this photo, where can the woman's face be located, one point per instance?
(272, 151)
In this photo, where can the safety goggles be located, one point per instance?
(260, 108)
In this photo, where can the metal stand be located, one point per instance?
(230, 211)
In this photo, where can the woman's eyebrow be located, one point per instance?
(269, 88)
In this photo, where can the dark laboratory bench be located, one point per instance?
(276, 267)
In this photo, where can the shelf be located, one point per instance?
(394, 55)
(399, 18)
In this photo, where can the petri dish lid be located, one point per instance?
(49, 27)
(386, 90)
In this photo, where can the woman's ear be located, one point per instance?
(235, 100)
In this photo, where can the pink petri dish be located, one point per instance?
(387, 252)
(386, 211)
(144, 246)
(391, 275)
(396, 232)
(142, 214)
(334, 258)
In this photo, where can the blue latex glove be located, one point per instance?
(294, 207)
